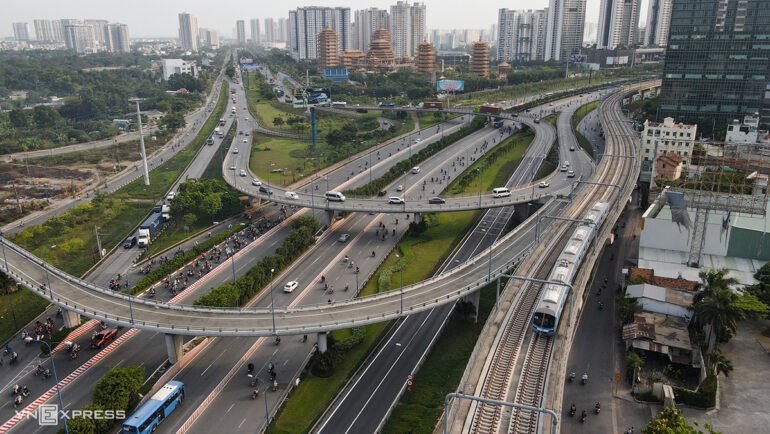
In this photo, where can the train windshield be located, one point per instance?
(543, 320)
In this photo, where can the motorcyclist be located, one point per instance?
(250, 367)
(584, 378)
(16, 389)
(583, 416)
(572, 376)
(572, 410)
(17, 401)
(254, 394)
(24, 391)
(597, 407)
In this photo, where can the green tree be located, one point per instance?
(671, 421)
(45, 117)
(211, 205)
(119, 388)
(174, 121)
(633, 362)
(278, 121)
(230, 70)
(18, 118)
(715, 306)
(79, 425)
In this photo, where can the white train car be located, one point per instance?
(551, 303)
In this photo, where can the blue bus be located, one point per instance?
(157, 408)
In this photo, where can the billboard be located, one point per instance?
(450, 85)
(315, 96)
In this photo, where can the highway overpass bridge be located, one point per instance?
(82, 298)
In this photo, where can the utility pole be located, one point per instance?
(141, 142)
(98, 241)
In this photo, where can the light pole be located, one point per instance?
(481, 173)
(267, 411)
(8, 272)
(401, 264)
(272, 304)
(45, 266)
(232, 261)
(141, 141)
(56, 379)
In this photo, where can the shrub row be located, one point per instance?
(704, 397)
(178, 261)
(117, 391)
(403, 166)
(248, 285)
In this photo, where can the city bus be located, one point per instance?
(155, 410)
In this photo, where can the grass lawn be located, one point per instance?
(26, 306)
(270, 153)
(432, 248)
(580, 113)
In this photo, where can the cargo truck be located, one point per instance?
(491, 108)
(164, 210)
(148, 229)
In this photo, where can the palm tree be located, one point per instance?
(717, 363)
(712, 281)
(720, 312)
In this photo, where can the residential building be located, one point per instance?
(178, 66)
(589, 34)
(255, 33)
(647, 275)
(188, 32)
(666, 335)
(717, 61)
(565, 24)
(327, 49)
(270, 36)
(306, 23)
(668, 166)
(98, 26)
(283, 30)
(668, 137)
(21, 31)
(366, 22)
(209, 38)
(407, 27)
(618, 23)
(658, 20)
(116, 38)
(658, 299)
(521, 35)
(44, 31)
(240, 32)
(480, 59)
(80, 38)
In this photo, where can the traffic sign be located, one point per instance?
(410, 377)
(408, 382)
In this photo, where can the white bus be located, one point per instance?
(334, 196)
(501, 192)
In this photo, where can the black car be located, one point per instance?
(382, 193)
(130, 242)
(263, 189)
(436, 201)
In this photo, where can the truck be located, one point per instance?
(164, 210)
(339, 104)
(148, 228)
(491, 108)
(387, 104)
(431, 105)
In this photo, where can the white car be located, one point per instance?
(291, 286)
(395, 200)
(243, 172)
(400, 187)
(571, 174)
(256, 182)
(416, 169)
(232, 167)
(245, 140)
(235, 150)
(291, 195)
(544, 184)
(170, 196)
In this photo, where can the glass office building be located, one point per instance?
(717, 65)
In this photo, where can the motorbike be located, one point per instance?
(254, 394)
(24, 391)
(15, 390)
(17, 401)
(583, 417)
(597, 408)
(571, 377)
(38, 370)
(572, 410)
(584, 380)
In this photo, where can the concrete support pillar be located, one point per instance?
(330, 217)
(174, 347)
(474, 299)
(417, 217)
(322, 344)
(71, 318)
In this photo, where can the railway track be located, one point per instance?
(534, 372)
(487, 415)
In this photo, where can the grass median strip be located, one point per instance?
(581, 113)
(441, 234)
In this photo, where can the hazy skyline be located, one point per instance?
(159, 19)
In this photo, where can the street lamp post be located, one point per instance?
(45, 266)
(232, 261)
(401, 264)
(56, 379)
(481, 174)
(272, 304)
(8, 272)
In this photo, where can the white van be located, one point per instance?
(291, 195)
(335, 196)
(501, 192)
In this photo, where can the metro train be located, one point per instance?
(551, 303)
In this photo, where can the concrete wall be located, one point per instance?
(665, 234)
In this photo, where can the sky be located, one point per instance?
(146, 18)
